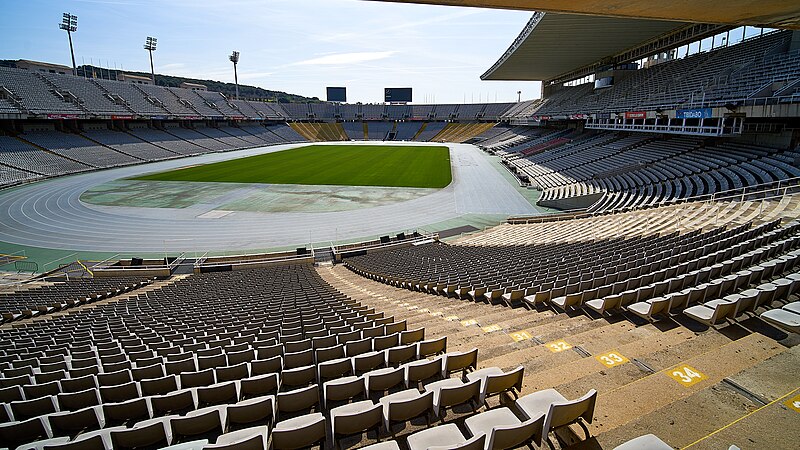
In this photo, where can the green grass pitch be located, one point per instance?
(344, 165)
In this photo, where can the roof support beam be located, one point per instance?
(766, 13)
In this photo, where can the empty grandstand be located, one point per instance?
(613, 265)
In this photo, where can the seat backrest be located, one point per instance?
(334, 368)
(196, 379)
(474, 443)
(411, 336)
(385, 381)
(724, 310)
(142, 435)
(343, 391)
(457, 361)
(368, 362)
(136, 409)
(24, 409)
(91, 443)
(496, 384)
(513, 436)
(196, 422)
(174, 401)
(408, 409)
(456, 395)
(419, 371)
(356, 423)
(15, 433)
(329, 353)
(158, 386)
(273, 364)
(298, 399)
(565, 413)
(401, 353)
(432, 347)
(298, 359)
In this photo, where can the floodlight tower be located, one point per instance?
(150, 46)
(519, 96)
(69, 23)
(235, 59)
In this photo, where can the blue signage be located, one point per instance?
(699, 113)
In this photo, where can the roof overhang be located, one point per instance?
(553, 44)
(767, 13)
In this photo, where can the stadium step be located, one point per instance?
(676, 382)
(720, 415)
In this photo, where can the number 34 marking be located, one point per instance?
(686, 375)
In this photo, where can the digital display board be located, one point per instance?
(337, 94)
(397, 95)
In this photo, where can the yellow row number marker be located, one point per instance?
(451, 318)
(469, 322)
(491, 328)
(611, 359)
(793, 403)
(558, 346)
(518, 336)
(686, 375)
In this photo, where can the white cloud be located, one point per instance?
(344, 58)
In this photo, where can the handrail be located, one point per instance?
(240, 262)
(411, 240)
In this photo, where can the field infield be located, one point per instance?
(338, 165)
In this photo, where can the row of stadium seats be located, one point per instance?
(30, 92)
(724, 272)
(38, 154)
(156, 368)
(640, 169)
(716, 77)
(762, 65)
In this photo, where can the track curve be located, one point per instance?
(50, 213)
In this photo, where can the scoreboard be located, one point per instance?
(397, 95)
(337, 94)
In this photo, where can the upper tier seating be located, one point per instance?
(724, 75)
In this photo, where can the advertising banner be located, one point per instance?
(699, 113)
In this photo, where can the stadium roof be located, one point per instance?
(767, 13)
(553, 44)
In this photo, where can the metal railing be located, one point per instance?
(206, 261)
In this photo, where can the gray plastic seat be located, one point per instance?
(406, 405)
(442, 437)
(558, 410)
(494, 381)
(355, 418)
(299, 432)
(254, 438)
(504, 429)
(646, 442)
(452, 392)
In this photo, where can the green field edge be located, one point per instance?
(291, 166)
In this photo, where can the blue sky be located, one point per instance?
(297, 46)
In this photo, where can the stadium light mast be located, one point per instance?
(69, 23)
(235, 59)
(150, 46)
(519, 96)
